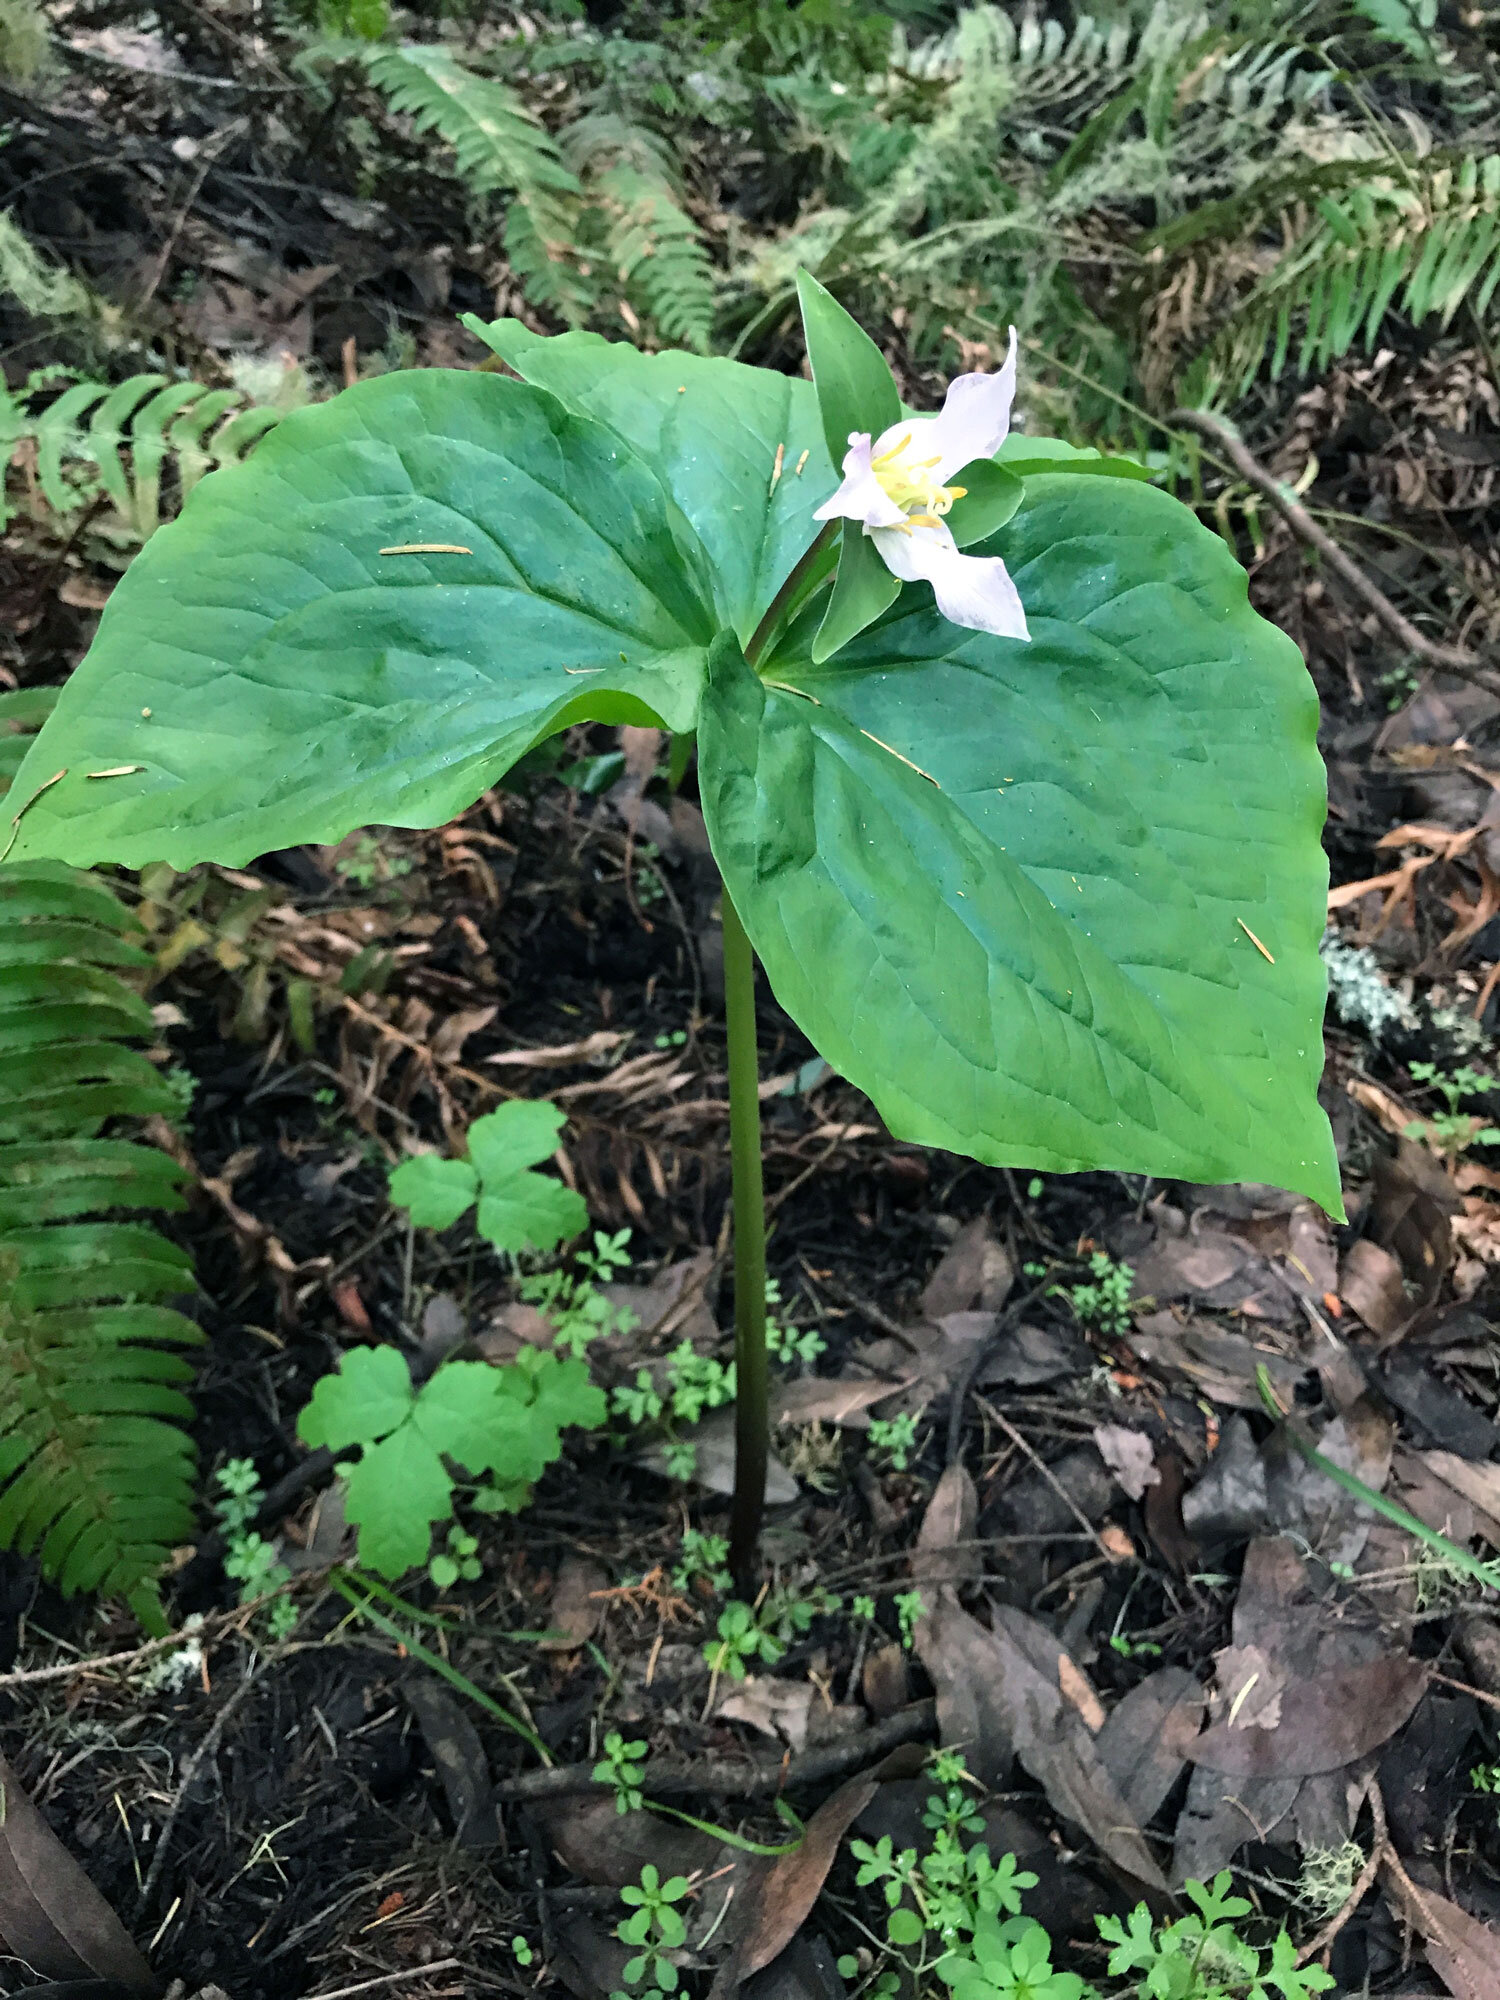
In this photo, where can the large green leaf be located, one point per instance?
(1008, 889)
(711, 430)
(278, 679)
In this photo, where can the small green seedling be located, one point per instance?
(894, 1439)
(250, 1560)
(704, 1559)
(909, 1609)
(574, 1302)
(504, 1421)
(1203, 1955)
(656, 1927)
(621, 1768)
(517, 1208)
(1453, 1131)
(1105, 1302)
(742, 1641)
(786, 1343)
(459, 1562)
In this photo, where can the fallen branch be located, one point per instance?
(671, 1777)
(1449, 659)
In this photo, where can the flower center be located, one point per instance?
(908, 481)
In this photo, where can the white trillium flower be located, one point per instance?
(896, 488)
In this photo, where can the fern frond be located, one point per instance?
(498, 144)
(1349, 253)
(498, 147)
(96, 1472)
(650, 239)
(119, 440)
(23, 40)
(38, 286)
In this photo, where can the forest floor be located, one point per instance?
(1091, 1457)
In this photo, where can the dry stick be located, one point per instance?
(1050, 1476)
(672, 1777)
(194, 1765)
(1449, 659)
(391, 1979)
(1356, 1895)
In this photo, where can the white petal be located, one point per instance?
(861, 497)
(975, 418)
(973, 591)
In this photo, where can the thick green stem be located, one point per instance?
(752, 1378)
(808, 561)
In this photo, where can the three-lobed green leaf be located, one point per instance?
(518, 1209)
(1053, 905)
(502, 1420)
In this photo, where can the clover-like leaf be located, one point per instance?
(465, 1413)
(518, 1135)
(435, 1192)
(398, 1489)
(368, 1396)
(530, 1212)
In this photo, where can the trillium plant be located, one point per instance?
(1014, 797)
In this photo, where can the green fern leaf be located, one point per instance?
(498, 147)
(660, 256)
(96, 1472)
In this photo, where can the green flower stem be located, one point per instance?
(796, 576)
(751, 1404)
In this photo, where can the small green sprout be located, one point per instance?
(620, 1767)
(894, 1439)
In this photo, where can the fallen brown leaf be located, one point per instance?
(1130, 1456)
(781, 1900)
(1371, 1284)
(1464, 1953)
(576, 1607)
(51, 1915)
(998, 1696)
(1320, 1724)
(973, 1271)
(1143, 1744)
(945, 1543)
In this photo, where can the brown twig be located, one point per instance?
(1378, 1851)
(669, 1777)
(1448, 659)
(1050, 1476)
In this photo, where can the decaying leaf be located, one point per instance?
(998, 1695)
(1320, 1724)
(945, 1543)
(1219, 1364)
(1464, 1953)
(462, 1767)
(1371, 1285)
(830, 1399)
(781, 1899)
(576, 1606)
(973, 1271)
(1143, 1744)
(782, 1709)
(51, 1915)
(1130, 1456)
